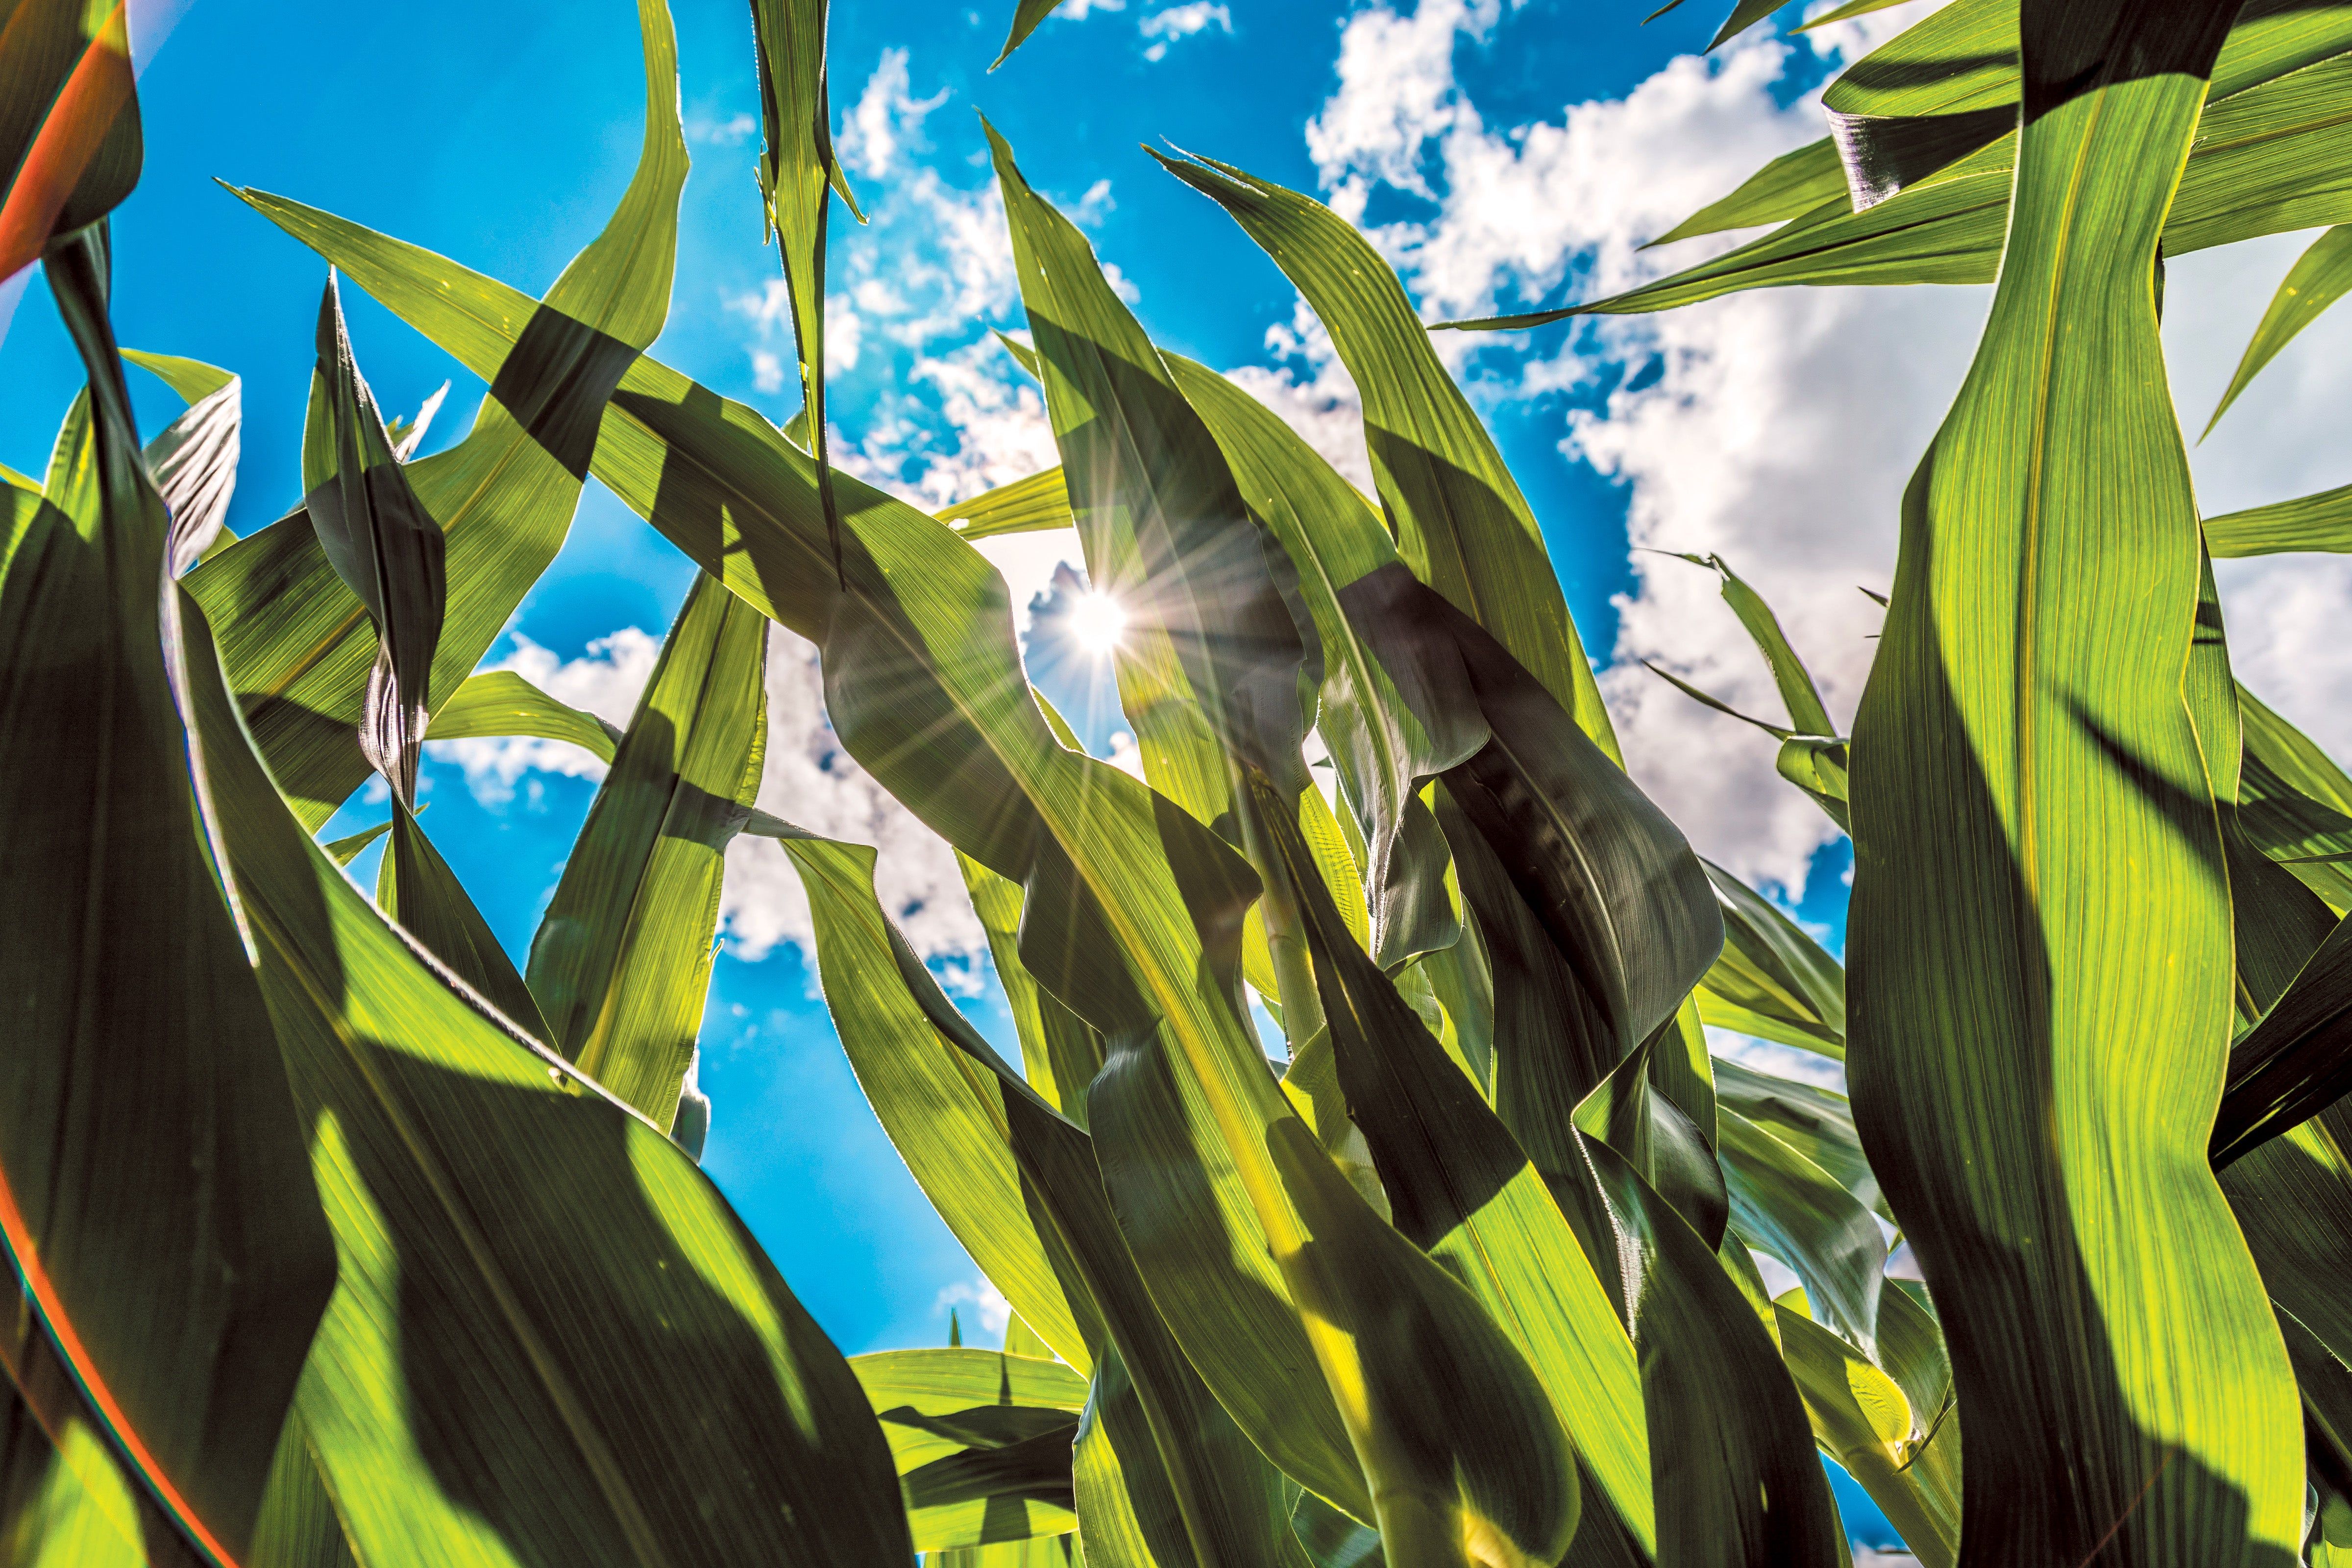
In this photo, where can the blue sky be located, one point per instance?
(1500, 154)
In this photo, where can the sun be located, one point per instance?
(1097, 622)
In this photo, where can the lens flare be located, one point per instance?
(1097, 623)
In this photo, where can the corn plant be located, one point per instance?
(341, 1238)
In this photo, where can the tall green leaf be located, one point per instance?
(798, 174)
(1021, 1186)
(2041, 977)
(153, 1191)
(621, 963)
(1460, 521)
(1462, 1190)
(551, 1338)
(297, 644)
(1382, 748)
(384, 545)
(981, 1440)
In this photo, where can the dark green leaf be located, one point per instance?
(154, 1194)
(550, 1335)
(382, 543)
(1772, 980)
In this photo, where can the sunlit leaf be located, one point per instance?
(2319, 278)
(2039, 874)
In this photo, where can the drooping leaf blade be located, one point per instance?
(500, 702)
(1461, 524)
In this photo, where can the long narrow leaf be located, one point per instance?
(153, 1191)
(621, 963)
(2026, 775)
(297, 644)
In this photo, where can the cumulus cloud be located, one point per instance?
(605, 680)
(1777, 428)
(887, 121)
(1181, 22)
(977, 1296)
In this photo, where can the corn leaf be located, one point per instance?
(1461, 524)
(498, 702)
(533, 1280)
(1028, 1201)
(1026, 506)
(1606, 877)
(384, 545)
(981, 1440)
(344, 851)
(947, 1122)
(621, 963)
(1784, 1203)
(298, 644)
(65, 1499)
(2273, 118)
(1060, 1052)
(153, 1191)
(1860, 1419)
(1816, 1123)
(1772, 980)
(1461, 1189)
(2318, 279)
(2026, 774)
(1734, 1477)
(2319, 522)
(1099, 857)
(1026, 18)
(193, 461)
(1789, 187)
(69, 132)
(798, 173)
(1382, 748)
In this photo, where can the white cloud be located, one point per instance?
(1775, 427)
(886, 123)
(605, 680)
(731, 131)
(1079, 10)
(1181, 22)
(1323, 406)
(977, 1297)
(767, 370)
